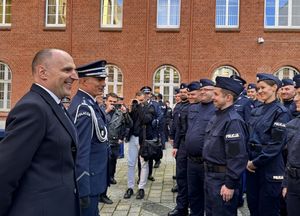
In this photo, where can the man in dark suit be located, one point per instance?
(38, 152)
(93, 149)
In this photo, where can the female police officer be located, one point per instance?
(267, 132)
(293, 163)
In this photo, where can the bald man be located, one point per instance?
(38, 152)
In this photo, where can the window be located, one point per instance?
(227, 13)
(165, 79)
(112, 13)
(282, 14)
(168, 13)
(5, 12)
(114, 80)
(286, 72)
(56, 11)
(225, 71)
(5, 87)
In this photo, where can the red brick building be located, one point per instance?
(159, 43)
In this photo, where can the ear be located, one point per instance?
(229, 98)
(42, 72)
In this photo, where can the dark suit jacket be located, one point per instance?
(37, 159)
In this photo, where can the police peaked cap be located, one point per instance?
(195, 85)
(266, 76)
(146, 89)
(286, 82)
(94, 69)
(176, 90)
(229, 84)
(296, 80)
(239, 79)
(206, 82)
(183, 85)
(251, 86)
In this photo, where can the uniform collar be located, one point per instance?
(91, 97)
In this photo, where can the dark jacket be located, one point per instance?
(37, 159)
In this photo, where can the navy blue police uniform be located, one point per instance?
(290, 104)
(199, 115)
(292, 174)
(267, 129)
(93, 149)
(224, 154)
(255, 102)
(180, 124)
(37, 159)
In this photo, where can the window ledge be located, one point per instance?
(5, 28)
(110, 29)
(52, 28)
(168, 29)
(227, 29)
(281, 30)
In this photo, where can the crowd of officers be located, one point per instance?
(229, 139)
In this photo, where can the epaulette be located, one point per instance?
(281, 108)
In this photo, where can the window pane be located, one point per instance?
(110, 88)
(233, 9)
(270, 13)
(162, 12)
(174, 12)
(283, 13)
(157, 77)
(51, 19)
(176, 77)
(296, 13)
(167, 75)
(106, 12)
(120, 77)
(119, 90)
(221, 12)
(111, 76)
(51, 2)
(166, 90)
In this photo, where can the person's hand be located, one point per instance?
(109, 108)
(226, 193)
(250, 167)
(284, 192)
(174, 152)
(85, 202)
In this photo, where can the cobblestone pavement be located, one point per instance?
(158, 200)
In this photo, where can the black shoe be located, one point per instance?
(140, 194)
(128, 193)
(105, 199)
(151, 178)
(174, 177)
(174, 189)
(157, 163)
(177, 212)
(112, 181)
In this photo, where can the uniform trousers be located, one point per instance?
(133, 154)
(263, 194)
(293, 196)
(115, 148)
(195, 178)
(214, 203)
(92, 210)
(181, 179)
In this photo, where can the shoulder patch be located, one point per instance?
(279, 124)
(84, 113)
(232, 136)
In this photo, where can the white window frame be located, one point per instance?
(119, 25)
(115, 82)
(292, 72)
(171, 83)
(56, 15)
(290, 9)
(3, 21)
(6, 81)
(231, 71)
(227, 17)
(168, 16)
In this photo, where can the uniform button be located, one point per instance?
(75, 191)
(92, 173)
(73, 149)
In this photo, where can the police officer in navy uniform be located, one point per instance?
(179, 151)
(200, 112)
(287, 95)
(252, 94)
(292, 178)
(93, 149)
(224, 151)
(265, 168)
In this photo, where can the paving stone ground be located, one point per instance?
(158, 200)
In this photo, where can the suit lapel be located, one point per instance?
(58, 111)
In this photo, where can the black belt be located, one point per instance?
(293, 172)
(196, 159)
(209, 167)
